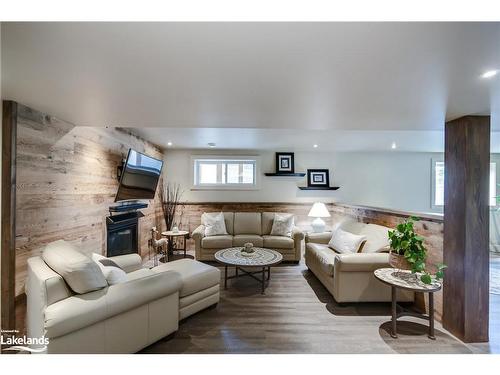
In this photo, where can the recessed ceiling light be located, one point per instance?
(315, 146)
(211, 145)
(489, 74)
(393, 146)
(169, 143)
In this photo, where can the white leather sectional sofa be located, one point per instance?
(242, 227)
(119, 318)
(349, 277)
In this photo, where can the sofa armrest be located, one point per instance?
(361, 262)
(198, 233)
(128, 262)
(323, 237)
(197, 236)
(83, 310)
(297, 234)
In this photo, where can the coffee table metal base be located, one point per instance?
(262, 280)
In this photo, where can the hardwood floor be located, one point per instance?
(298, 315)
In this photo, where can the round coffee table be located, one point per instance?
(261, 258)
(406, 280)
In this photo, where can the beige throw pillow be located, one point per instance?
(81, 273)
(214, 224)
(282, 225)
(346, 242)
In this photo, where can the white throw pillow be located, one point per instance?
(282, 225)
(346, 242)
(112, 272)
(214, 224)
(79, 271)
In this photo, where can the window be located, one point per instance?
(438, 184)
(234, 172)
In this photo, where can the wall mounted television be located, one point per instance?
(139, 177)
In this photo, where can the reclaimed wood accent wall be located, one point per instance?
(429, 226)
(66, 180)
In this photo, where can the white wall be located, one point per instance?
(397, 180)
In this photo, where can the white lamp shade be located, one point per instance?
(319, 210)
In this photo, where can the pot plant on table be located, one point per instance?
(409, 253)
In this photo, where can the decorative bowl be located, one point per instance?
(248, 248)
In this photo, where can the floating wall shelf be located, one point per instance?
(319, 188)
(285, 174)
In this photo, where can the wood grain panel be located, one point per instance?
(66, 180)
(466, 233)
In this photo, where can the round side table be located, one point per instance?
(406, 280)
(171, 235)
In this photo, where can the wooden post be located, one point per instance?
(9, 127)
(466, 228)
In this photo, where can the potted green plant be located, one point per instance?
(408, 251)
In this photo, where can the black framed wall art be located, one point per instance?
(318, 178)
(285, 162)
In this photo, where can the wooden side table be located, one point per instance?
(171, 235)
(404, 279)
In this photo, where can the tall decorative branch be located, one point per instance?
(170, 196)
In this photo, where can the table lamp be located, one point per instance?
(318, 210)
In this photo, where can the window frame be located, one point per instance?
(228, 186)
(433, 183)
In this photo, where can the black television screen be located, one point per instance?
(139, 177)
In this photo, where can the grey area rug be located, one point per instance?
(495, 275)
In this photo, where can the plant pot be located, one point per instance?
(398, 261)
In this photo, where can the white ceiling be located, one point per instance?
(302, 140)
(300, 76)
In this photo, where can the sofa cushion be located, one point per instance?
(377, 238)
(247, 223)
(241, 239)
(322, 256)
(217, 242)
(267, 222)
(346, 242)
(81, 273)
(215, 224)
(196, 276)
(229, 219)
(278, 242)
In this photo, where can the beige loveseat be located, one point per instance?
(119, 318)
(242, 227)
(349, 277)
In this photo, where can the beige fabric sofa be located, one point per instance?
(242, 227)
(121, 318)
(349, 277)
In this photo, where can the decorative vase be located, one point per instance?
(248, 247)
(398, 261)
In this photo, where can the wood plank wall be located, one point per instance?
(430, 226)
(66, 180)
